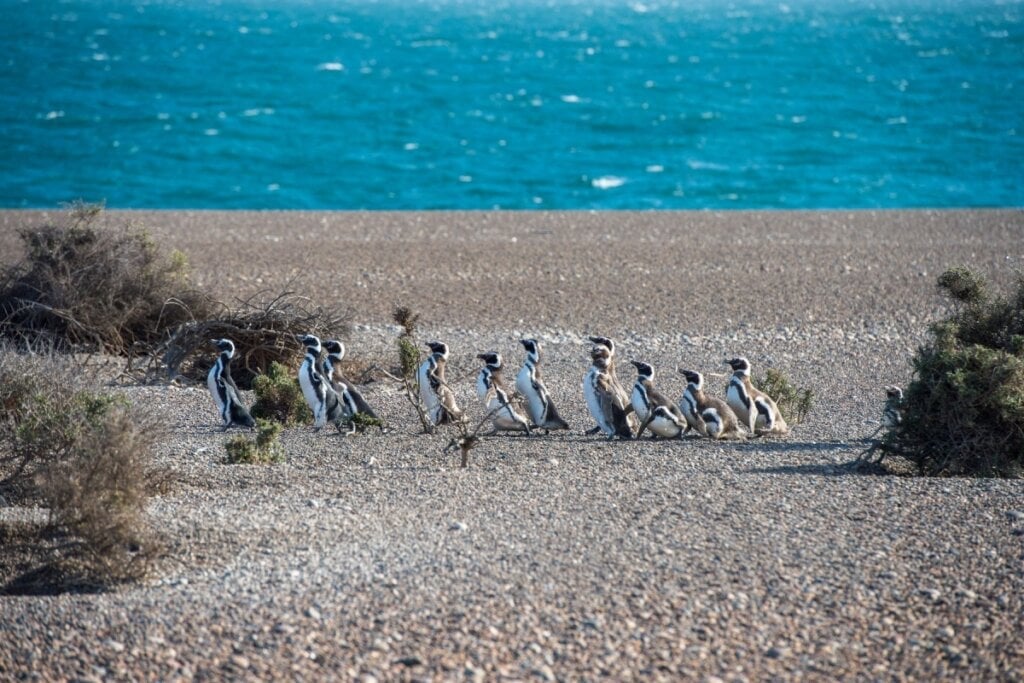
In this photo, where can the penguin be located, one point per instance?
(708, 415)
(892, 414)
(320, 396)
(668, 421)
(541, 410)
(347, 392)
(607, 343)
(491, 389)
(437, 396)
(606, 404)
(224, 391)
(755, 409)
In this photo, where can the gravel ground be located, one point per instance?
(565, 556)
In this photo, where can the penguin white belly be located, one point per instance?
(594, 402)
(534, 401)
(213, 386)
(734, 396)
(316, 403)
(640, 406)
(688, 407)
(482, 385)
(664, 426)
(713, 423)
(430, 400)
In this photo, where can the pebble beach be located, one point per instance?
(565, 556)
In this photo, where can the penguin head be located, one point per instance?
(605, 342)
(224, 346)
(532, 347)
(894, 393)
(335, 349)
(600, 356)
(693, 378)
(740, 365)
(311, 342)
(440, 348)
(643, 369)
(492, 359)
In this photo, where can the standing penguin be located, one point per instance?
(755, 409)
(435, 393)
(606, 404)
(490, 387)
(320, 396)
(347, 392)
(224, 391)
(710, 416)
(528, 382)
(652, 408)
(609, 344)
(892, 414)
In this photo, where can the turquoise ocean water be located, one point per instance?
(517, 104)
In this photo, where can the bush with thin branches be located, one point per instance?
(86, 457)
(83, 287)
(264, 329)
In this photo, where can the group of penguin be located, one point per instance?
(618, 414)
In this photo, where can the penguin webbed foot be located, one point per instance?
(591, 432)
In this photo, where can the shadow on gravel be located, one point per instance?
(780, 446)
(47, 580)
(853, 467)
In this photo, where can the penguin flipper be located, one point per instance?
(615, 413)
(361, 405)
(240, 415)
(552, 420)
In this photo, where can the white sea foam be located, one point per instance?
(465, 178)
(571, 99)
(51, 115)
(330, 66)
(411, 146)
(258, 111)
(655, 168)
(698, 165)
(608, 182)
(211, 132)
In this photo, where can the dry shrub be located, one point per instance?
(98, 497)
(82, 287)
(84, 456)
(963, 413)
(264, 331)
(279, 397)
(409, 361)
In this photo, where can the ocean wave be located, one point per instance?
(608, 182)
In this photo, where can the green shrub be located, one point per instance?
(279, 397)
(794, 402)
(963, 413)
(362, 421)
(264, 450)
(85, 287)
